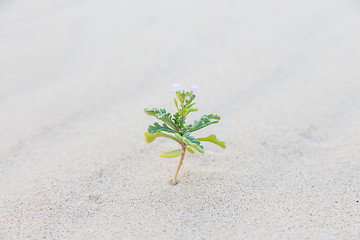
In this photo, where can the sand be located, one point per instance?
(76, 75)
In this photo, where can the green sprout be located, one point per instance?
(175, 128)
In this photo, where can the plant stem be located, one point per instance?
(180, 163)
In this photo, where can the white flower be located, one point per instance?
(193, 88)
(177, 87)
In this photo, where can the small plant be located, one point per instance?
(175, 128)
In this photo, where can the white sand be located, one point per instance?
(76, 75)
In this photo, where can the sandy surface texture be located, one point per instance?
(75, 77)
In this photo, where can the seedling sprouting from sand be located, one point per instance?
(175, 128)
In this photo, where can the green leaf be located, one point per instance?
(158, 128)
(171, 154)
(192, 99)
(166, 118)
(213, 116)
(204, 121)
(180, 122)
(149, 137)
(180, 96)
(190, 105)
(151, 112)
(212, 138)
(162, 115)
(176, 104)
(190, 150)
(189, 140)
